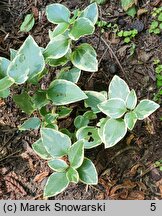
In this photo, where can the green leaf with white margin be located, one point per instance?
(80, 121)
(57, 62)
(63, 112)
(131, 100)
(5, 83)
(57, 47)
(13, 54)
(114, 130)
(89, 135)
(94, 98)
(5, 93)
(100, 126)
(80, 28)
(28, 23)
(87, 172)
(71, 75)
(84, 57)
(118, 88)
(130, 119)
(29, 124)
(63, 92)
(58, 165)
(40, 150)
(76, 154)
(28, 63)
(91, 13)
(56, 183)
(4, 63)
(114, 108)
(15, 70)
(72, 175)
(56, 143)
(59, 29)
(145, 108)
(90, 115)
(57, 13)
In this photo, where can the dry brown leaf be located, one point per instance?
(40, 177)
(122, 50)
(129, 139)
(126, 184)
(134, 169)
(141, 11)
(160, 188)
(136, 195)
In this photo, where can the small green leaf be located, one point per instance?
(58, 165)
(55, 142)
(145, 108)
(63, 92)
(127, 40)
(118, 88)
(5, 93)
(80, 121)
(59, 29)
(90, 115)
(24, 101)
(94, 98)
(40, 150)
(91, 13)
(81, 27)
(114, 130)
(87, 172)
(80, 56)
(56, 183)
(57, 13)
(57, 47)
(126, 4)
(71, 75)
(114, 108)
(57, 62)
(130, 119)
(63, 112)
(31, 123)
(131, 100)
(90, 136)
(160, 17)
(132, 11)
(72, 175)
(76, 154)
(50, 118)
(5, 83)
(4, 63)
(40, 99)
(28, 23)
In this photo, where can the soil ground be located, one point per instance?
(126, 171)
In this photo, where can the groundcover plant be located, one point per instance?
(119, 104)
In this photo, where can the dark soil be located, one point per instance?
(126, 171)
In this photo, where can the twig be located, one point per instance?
(9, 155)
(109, 47)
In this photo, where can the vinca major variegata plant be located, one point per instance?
(27, 65)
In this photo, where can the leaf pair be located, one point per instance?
(83, 25)
(52, 146)
(58, 50)
(121, 110)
